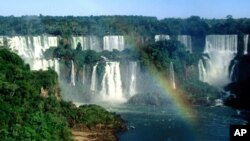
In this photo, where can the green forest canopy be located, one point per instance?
(26, 115)
(125, 25)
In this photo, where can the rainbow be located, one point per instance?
(177, 96)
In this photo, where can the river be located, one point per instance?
(151, 123)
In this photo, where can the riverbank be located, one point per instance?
(96, 134)
(98, 125)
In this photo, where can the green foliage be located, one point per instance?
(25, 115)
(49, 53)
(90, 115)
(160, 54)
(126, 25)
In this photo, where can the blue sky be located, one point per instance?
(158, 8)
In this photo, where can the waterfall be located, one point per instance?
(57, 67)
(246, 37)
(93, 79)
(45, 64)
(77, 40)
(133, 81)
(37, 46)
(94, 43)
(220, 49)
(187, 41)
(202, 71)
(83, 74)
(161, 37)
(22, 46)
(49, 41)
(31, 49)
(1, 41)
(231, 76)
(87, 42)
(52, 41)
(172, 75)
(36, 64)
(111, 83)
(72, 76)
(113, 42)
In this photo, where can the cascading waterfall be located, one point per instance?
(57, 66)
(22, 46)
(231, 76)
(49, 41)
(78, 39)
(172, 77)
(93, 79)
(37, 46)
(161, 37)
(220, 50)
(72, 76)
(1, 41)
(113, 42)
(246, 37)
(83, 75)
(187, 41)
(87, 42)
(133, 81)
(94, 43)
(111, 83)
(31, 50)
(202, 71)
(36, 64)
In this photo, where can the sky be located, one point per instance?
(158, 8)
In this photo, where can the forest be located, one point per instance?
(31, 107)
(122, 25)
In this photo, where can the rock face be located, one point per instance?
(237, 92)
(154, 99)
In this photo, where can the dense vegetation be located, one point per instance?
(26, 114)
(160, 54)
(134, 25)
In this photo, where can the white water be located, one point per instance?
(187, 41)
(111, 83)
(83, 75)
(232, 71)
(161, 37)
(57, 66)
(81, 40)
(133, 79)
(172, 77)
(113, 42)
(87, 42)
(221, 49)
(31, 48)
(1, 41)
(202, 71)
(246, 37)
(22, 46)
(72, 76)
(37, 46)
(49, 41)
(93, 79)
